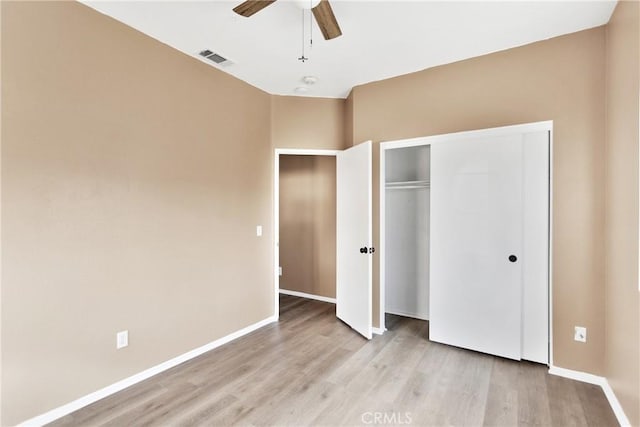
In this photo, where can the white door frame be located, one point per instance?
(437, 139)
(276, 212)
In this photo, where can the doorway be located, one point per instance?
(353, 233)
(308, 226)
(305, 228)
(407, 197)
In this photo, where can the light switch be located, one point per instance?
(122, 339)
(259, 230)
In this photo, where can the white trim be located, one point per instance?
(378, 331)
(615, 404)
(543, 126)
(490, 132)
(550, 261)
(382, 266)
(308, 296)
(70, 407)
(576, 375)
(276, 212)
(306, 152)
(597, 380)
(276, 234)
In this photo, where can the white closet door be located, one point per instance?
(476, 225)
(535, 260)
(354, 238)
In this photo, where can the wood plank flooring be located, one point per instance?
(311, 369)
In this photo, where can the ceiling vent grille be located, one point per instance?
(213, 57)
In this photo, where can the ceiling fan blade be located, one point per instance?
(326, 20)
(250, 7)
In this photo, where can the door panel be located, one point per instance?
(353, 226)
(535, 260)
(476, 224)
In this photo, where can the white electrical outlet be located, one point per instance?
(580, 334)
(279, 271)
(122, 339)
(259, 230)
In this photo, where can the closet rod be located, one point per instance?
(408, 184)
(406, 187)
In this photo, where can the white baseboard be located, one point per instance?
(70, 407)
(378, 331)
(309, 296)
(577, 375)
(602, 382)
(615, 405)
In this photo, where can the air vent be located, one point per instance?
(213, 57)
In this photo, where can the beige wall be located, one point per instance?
(130, 194)
(308, 224)
(622, 352)
(560, 79)
(308, 123)
(315, 123)
(348, 121)
(133, 178)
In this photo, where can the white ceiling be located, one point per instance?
(381, 39)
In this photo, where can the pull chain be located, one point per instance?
(310, 24)
(303, 58)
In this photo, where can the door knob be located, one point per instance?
(513, 258)
(363, 250)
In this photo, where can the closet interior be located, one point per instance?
(407, 196)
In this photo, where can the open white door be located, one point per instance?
(476, 244)
(354, 238)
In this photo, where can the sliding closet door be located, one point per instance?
(535, 259)
(476, 243)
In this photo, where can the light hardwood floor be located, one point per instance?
(311, 369)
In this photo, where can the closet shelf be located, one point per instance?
(404, 185)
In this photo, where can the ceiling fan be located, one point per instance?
(322, 12)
